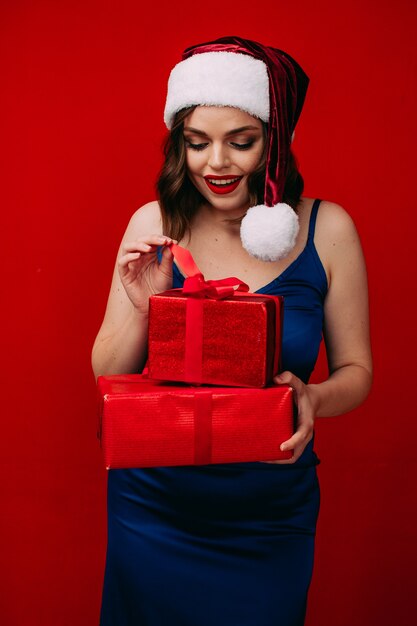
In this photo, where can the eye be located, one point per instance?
(195, 146)
(242, 146)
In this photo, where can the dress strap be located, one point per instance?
(313, 217)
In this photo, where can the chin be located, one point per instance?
(238, 203)
(235, 204)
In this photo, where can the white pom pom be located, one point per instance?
(269, 233)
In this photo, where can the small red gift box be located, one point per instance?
(145, 423)
(210, 333)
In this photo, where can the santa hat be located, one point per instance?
(266, 83)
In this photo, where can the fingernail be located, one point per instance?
(283, 448)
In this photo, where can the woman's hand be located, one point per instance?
(306, 414)
(141, 273)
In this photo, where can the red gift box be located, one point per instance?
(145, 423)
(211, 333)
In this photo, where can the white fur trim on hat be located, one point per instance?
(269, 233)
(219, 79)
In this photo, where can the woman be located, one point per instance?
(233, 544)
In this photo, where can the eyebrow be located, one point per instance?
(235, 131)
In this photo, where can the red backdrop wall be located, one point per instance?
(83, 87)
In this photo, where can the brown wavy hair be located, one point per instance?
(179, 199)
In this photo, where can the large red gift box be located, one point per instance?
(211, 333)
(145, 423)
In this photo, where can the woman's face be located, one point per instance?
(223, 146)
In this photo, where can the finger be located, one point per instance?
(288, 378)
(137, 246)
(284, 378)
(301, 437)
(131, 256)
(297, 452)
(166, 261)
(158, 240)
(146, 244)
(128, 258)
(290, 461)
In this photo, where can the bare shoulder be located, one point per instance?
(146, 220)
(334, 221)
(336, 238)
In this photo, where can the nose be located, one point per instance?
(218, 157)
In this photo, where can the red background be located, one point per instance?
(83, 87)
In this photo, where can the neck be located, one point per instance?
(220, 220)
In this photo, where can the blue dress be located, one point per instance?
(229, 544)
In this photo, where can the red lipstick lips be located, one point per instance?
(222, 187)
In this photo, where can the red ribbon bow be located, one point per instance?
(195, 284)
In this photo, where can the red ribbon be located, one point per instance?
(203, 427)
(193, 365)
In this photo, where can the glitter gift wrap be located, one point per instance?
(211, 333)
(145, 423)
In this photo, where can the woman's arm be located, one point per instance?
(121, 344)
(346, 318)
(346, 330)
